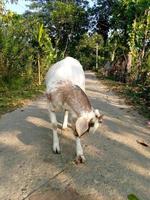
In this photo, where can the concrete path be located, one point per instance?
(117, 165)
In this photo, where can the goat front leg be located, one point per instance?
(79, 152)
(65, 123)
(56, 147)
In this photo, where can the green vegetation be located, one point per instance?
(132, 197)
(111, 37)
(13, 97)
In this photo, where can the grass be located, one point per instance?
(137, 95)
(12, 98)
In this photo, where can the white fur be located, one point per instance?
(52, 115)
(65, 123)
(79, 150)
(56, 147)
(88, 115)
(68, 69)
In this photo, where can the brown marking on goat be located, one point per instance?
(78, 100)
(68, 95)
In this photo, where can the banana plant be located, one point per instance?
(45, 51)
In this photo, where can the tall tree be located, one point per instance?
(66, 21)
(102, 12)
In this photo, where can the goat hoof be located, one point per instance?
(56, 150)
(80, 159)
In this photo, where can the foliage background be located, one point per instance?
(118, 31)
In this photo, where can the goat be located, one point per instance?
(65, 90)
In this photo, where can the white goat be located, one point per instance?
(65, 83)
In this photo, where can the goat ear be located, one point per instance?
(82, 126)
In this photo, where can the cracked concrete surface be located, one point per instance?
(116, 164)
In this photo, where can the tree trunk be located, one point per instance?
(66, 47)
(129, 64)
(113, 53)
(39, 70)
(96, 56)
(67, 42)
(147, 13)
